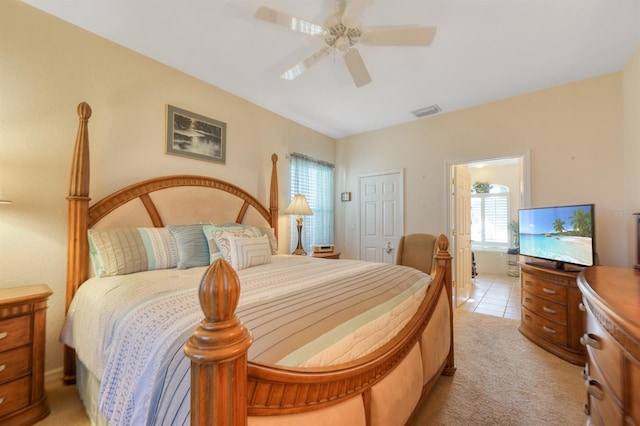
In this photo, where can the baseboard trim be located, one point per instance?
(52, 375)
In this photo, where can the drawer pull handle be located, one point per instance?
(527, 283)
(3, 334)
(527, 317)
(548, 310)
(590, 340)
(549, 291)
(549, 329)
(594, 389)
(581, 307)
(1, 399)
(528, 300)
(2, 367)
(584, 374)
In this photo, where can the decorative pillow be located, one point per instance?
(245, 252)
(271, 235)
(218, 244)
(192, 245)
(120, 251)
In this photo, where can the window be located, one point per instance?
(490, 218)
(313, 179)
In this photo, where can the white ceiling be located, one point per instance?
(484, 50)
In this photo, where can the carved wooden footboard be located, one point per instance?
(227, 389)
(223, 381)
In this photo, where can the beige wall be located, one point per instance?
(632, 153)
(46, 68)
(574, 135)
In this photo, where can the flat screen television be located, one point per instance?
(564, 236)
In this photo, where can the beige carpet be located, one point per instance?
(502, 379)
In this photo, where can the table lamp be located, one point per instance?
(300, 207)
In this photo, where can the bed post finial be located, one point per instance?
(218, 352)
(84, 111)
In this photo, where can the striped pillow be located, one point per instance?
(245, 252)
(192, 245)
(119, 251)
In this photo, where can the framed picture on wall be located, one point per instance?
(195, 136)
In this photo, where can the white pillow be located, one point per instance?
(271, 234)
(217, 241)
(245, 252)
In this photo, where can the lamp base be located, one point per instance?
(299, 251)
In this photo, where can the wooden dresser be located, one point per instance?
(611, 298)
(551, 314)
(22, 344)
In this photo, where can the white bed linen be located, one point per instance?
(127, 371)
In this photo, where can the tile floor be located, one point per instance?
(494, 294)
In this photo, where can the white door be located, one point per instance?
(462, 232)
(381, 218)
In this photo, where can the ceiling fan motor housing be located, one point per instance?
(342, 37)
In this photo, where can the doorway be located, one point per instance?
(489, 256)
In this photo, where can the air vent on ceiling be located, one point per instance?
(423, 112)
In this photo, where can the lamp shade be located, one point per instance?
(299, 206)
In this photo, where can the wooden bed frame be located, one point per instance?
(226, 388)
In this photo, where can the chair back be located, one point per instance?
(418, 251)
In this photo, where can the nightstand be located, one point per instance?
(327, 254)
(22, 343)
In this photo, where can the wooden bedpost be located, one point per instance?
(443, 263)
(218, 352)
(77, 243)
(273, 199)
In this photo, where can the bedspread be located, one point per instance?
(302, 312)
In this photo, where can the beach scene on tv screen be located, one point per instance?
(561, 233)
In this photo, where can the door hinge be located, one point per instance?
(454, 284)
(454, 233)
(453, 181)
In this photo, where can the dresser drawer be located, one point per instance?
(15, 363)
(14, 395)
(15, 332)
(545, 308)
(544, 289)
(604, 354)
(606, 408)
(544, 328)
(634, 390)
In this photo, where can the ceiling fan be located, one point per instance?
(342, 32)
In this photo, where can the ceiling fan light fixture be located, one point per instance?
(342, 32)
(423, 112)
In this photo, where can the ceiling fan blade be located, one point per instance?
(289, 21)
(410, 36)
(353, 12)
(305, 64)
(357, 68)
